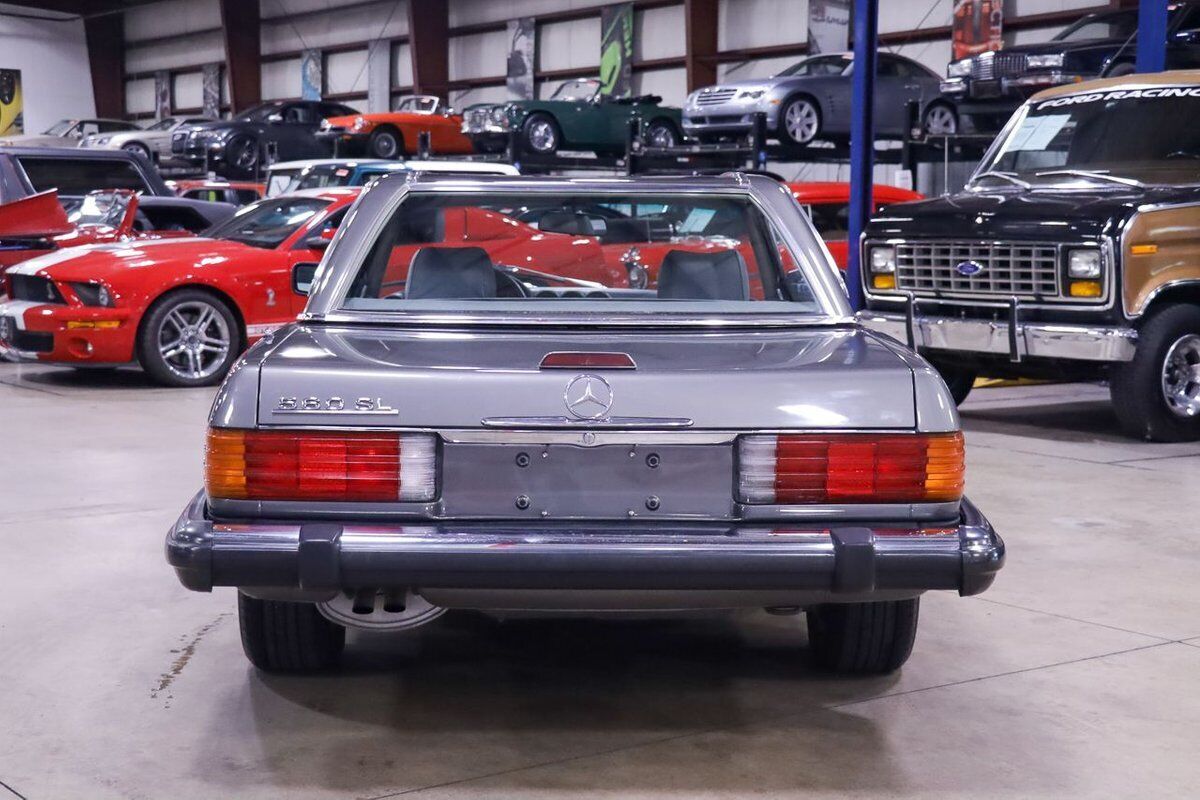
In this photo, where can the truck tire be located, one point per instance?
(1156, 396)
(863, 638)
(288, 637)
(959, 380)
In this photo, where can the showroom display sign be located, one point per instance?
(311, 77)
(522, 41)
(616, 50)
(12, 103)
(977, 28)
(828, 26)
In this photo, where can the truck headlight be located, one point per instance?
(93, 294)
(1083, 264)
(959, 69)
(883, 260)
(1048, 61)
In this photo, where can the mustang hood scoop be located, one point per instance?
(795, 378)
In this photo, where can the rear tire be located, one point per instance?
(959, 380)
(939, 119)
(1153, 393)
(288, 637)
(863, 638)
(662, 134)
(138, 149)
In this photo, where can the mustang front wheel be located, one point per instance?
(863, 638)
(288, 637)
(189, 338)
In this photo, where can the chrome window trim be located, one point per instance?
(353, 242)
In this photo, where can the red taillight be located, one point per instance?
(850, 468)
(319, 465)
(581, 360)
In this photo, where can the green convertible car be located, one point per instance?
(576, 117)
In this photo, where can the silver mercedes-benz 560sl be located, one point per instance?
(557, 395)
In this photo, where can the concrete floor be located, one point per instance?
(1075, 676)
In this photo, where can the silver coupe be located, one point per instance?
(580, 396)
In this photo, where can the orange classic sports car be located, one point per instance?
(827, 204)
(393, 134)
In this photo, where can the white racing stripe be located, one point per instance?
(16, 309)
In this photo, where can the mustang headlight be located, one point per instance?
(1083, 264)
(1046, 61)
(959, 69)
(95, 295)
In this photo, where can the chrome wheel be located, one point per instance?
(245, 154)
(801, 121)
(940, 121)
(542, 136)
(661, 135)
(194, 340)
(386, 145)
(137, 150)
(1181, 376)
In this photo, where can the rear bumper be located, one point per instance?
(846, 560)
(1010, 337)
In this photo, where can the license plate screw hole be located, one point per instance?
(522, 459)
(652, 461)
(652, 502)
(522, 501)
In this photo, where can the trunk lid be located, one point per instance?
(792, 378)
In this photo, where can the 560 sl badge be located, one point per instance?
(333, 405)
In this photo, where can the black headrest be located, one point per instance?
(571, 222)
(626, 231)
(704, 276)
(422, 225)
(460, 273)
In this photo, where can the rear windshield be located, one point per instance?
(588, 252)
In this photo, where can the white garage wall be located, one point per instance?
(477, 55)
(282, 32)
(281, 79)
(56, 79)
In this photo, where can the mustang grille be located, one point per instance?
(1024, 270)
(36, 289)
(715, 97)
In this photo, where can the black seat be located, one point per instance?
(570, 222)
(704, 276)
(459, 273)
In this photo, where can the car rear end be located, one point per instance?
(526, 456)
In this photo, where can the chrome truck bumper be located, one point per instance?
(1011, 337)
(830, 563)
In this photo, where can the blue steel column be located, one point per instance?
(1152, 36)
(862, 136)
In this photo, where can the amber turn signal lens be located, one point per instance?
(1086, 289)
(319, 465)
(851, 468)
(884, 281)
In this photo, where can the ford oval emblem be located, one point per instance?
(968, 269)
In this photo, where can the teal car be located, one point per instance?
(576, 117)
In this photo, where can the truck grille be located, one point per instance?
(35, 288)
(1008, 268)
(715, 97)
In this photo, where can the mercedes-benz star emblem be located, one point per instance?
(588, 397)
